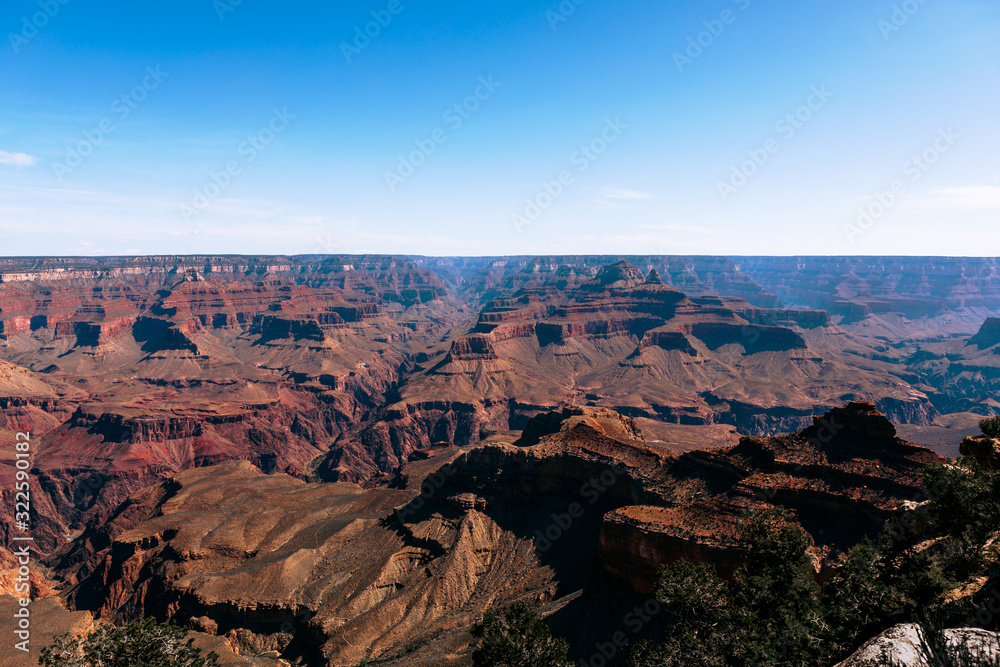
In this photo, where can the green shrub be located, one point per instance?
(859, 603)
(773, 613)
(776, 598)
(770, 614)
(695, 607)
(990, 427)
(144, 642)
(517, 638)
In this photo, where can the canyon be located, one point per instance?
(327, 459)
(575, 516)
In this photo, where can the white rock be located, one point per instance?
(903, 646)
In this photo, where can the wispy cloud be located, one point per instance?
(17, 159)
(83, 248)
(622, 193)
(619, 198)
(975, 196)
(955, 197)
(683, 228)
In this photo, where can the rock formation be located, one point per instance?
(180, 408)
(581, 502)
(841, 478)
(132, 369)
(622, 341)
(989, 334)
(907, 646)
(985, 450)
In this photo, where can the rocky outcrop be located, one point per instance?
(334, 574)
(989, 334)
(666, 340)
(117, 428)
(601, 420)
(137, 368)
(753, 339)
(841, 478)
(95, 300)
(90, 464)
(91, 334)
(405, 428)
(622, 341)
(637, 541)
(985, 450)
(963, 372)
(856, 287)
(805, 319)
(270, 327)
(346, 367)
(472, 348)
(911, 646)
(695, 276)
(620, 275)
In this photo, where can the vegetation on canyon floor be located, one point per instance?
(144, 642)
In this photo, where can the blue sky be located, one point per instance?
(718, 127)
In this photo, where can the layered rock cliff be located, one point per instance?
(136, 368)
(345, 367)
(334, 574)
(626, 341)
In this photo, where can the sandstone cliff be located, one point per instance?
(334, 574)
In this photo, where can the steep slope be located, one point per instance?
(147, 366)
(334, 574)
(132, 369)
(944, 294)
(628, 342)
(317, 572)
(963, 373)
